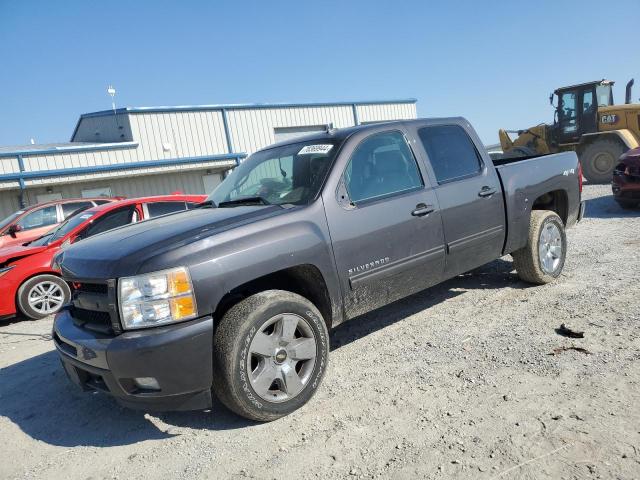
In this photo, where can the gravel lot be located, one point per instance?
(458, 381)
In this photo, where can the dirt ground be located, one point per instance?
(459, 381)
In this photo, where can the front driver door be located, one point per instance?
(384, 223)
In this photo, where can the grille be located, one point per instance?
(91, 288)
(90, 316)
(93, 306)
(92, 320)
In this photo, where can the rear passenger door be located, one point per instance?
(384, 223)
(469, 194)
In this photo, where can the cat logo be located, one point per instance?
(609, 118)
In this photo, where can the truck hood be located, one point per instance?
(121, 252)
(16, 252)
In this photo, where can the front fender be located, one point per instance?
(624, 135)
(222, 262)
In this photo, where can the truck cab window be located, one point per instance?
(588, 105)
(381, 165)
(567, 114)
(451, 152)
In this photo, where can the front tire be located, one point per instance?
(42, 296)
(599, 158)
(542, 259)
(270, 354)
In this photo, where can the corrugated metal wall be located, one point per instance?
(376, 113)
(187, 182)
(180, 133)
(252, 130)
(186, 134)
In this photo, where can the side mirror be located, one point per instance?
(13, 229)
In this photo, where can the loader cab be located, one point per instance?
(577, 109)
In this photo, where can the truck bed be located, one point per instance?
(526, 182)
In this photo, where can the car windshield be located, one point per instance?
(64, 228)
(10, 219)
(289, 174)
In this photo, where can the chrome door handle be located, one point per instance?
(422, 209)
(486, 191)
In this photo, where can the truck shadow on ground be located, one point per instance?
(495, 275)
(607, 207)
(37, 397)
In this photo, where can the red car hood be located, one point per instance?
(16, 252)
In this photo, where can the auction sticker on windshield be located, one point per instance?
(309, 149)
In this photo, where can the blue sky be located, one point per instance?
(492, 62)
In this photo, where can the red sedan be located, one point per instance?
(32, 287)
(33, 222)
(626, 180)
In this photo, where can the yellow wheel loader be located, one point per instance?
(587, 121)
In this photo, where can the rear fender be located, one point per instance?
(624, 136)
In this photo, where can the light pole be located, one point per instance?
(112, 93)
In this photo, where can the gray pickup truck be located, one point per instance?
(235, 298)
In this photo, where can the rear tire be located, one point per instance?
(542, 259)
(42, 296)
(270, 353)
(599, 158)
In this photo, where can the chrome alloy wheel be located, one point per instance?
(281, 357)
(46, 297)
(550, 248)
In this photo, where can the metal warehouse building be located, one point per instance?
(158, 150)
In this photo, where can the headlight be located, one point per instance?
(156, 299)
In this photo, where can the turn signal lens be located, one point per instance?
(179, 282)
(182, 307)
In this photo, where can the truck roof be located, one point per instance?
(344, 133)
(585, 84)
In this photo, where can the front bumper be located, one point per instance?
(625, 187)
(9, 283)
(179, 357)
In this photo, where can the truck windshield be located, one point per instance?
(289, 174)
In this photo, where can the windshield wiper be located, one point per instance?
(255, 200)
